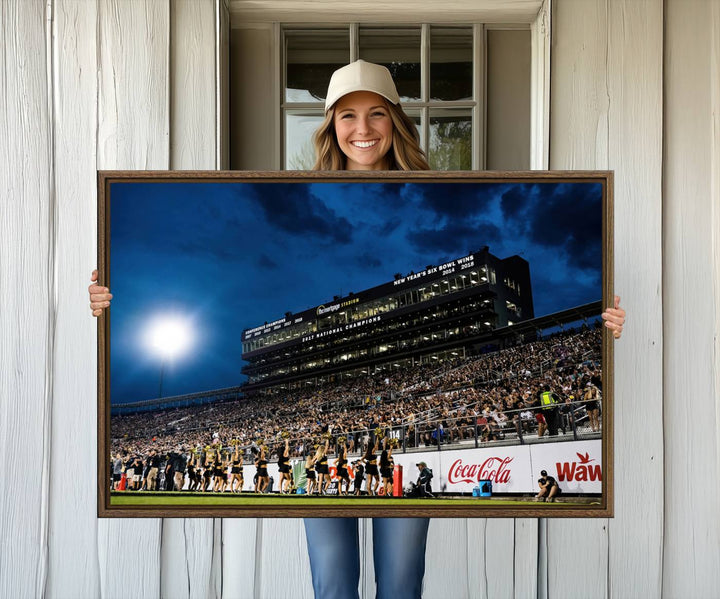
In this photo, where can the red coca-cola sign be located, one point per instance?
(494, 468)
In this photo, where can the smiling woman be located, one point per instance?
(364, 131)
(365, 128)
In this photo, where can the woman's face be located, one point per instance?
(364, 130)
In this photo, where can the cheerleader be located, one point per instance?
(386, 468)
(263, 479)
(321, 467)
(371, 469)
(192, 474)
(207, 471)
(236, 472)
(341, 468)
(219, 473)
(284, 467)
(310, 474)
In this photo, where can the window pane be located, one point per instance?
(451, 56)
(299, 150)
(450, 145)
(311, 57)
(398, 50)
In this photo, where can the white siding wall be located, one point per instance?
(115, 84)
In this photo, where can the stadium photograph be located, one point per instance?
(325, 346)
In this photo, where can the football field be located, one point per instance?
(151, 499)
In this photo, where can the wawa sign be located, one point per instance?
(577, 466)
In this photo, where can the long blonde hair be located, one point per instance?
(404, 155)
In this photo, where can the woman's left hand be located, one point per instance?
(615, 318)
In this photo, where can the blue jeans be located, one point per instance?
(398, 552)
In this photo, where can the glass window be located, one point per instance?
(450, 145)
(433, 69)
(398, 50)
(451, 63)
(299, 149)
(310, 59)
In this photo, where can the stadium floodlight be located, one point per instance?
(169, 336)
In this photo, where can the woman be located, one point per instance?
(263, 478)
(321, 467)
(284, 467)
(192, 474)
(365, 129)
(592, 405)
(341, 467)
(371, 467)
(310, 474)
(386, 468)
(236, 471)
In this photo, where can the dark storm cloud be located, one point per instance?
(516, 200)
(265, 262)
(293, 208)
(389, 226)
(569, 216)
(457, 200)
(368, 260)
(454, 238)
(561, 216)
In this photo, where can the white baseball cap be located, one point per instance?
(361, 76)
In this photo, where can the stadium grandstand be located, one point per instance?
(450, 357)
(440, 313)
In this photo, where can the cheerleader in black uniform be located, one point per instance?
(371, 469)
(236, 472)
(192, 473)
(207, 471)
(263, 479)
(310, 474)
(341, 468)
(386, 467)
(321, 467)
(284, 467)
(219, 473)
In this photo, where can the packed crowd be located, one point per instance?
(487, 395)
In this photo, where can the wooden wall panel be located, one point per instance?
(133, 131)
(578, 140)
(607, 113)
(446, 557)
(191, 551)
(239, 557)
(193, 85)
(692, 398)
(282, 565)
(635, 90)
(73, 514)
(27, 314)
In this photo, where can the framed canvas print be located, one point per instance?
(336, 344)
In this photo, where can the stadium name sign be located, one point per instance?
(335, 307)
(443, 269)
(342, 329)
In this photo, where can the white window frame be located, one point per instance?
(534, 13)
(476, 107)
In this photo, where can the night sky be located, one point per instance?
(230, 256)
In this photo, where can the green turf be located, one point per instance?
(250, 499)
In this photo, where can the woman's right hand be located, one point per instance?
(99, 296)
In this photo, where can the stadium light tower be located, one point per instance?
(168, 337)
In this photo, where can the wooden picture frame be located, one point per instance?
(517, 258)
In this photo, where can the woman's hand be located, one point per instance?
(615, 318)
(99, 296)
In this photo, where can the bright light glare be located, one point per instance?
(169, 336)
